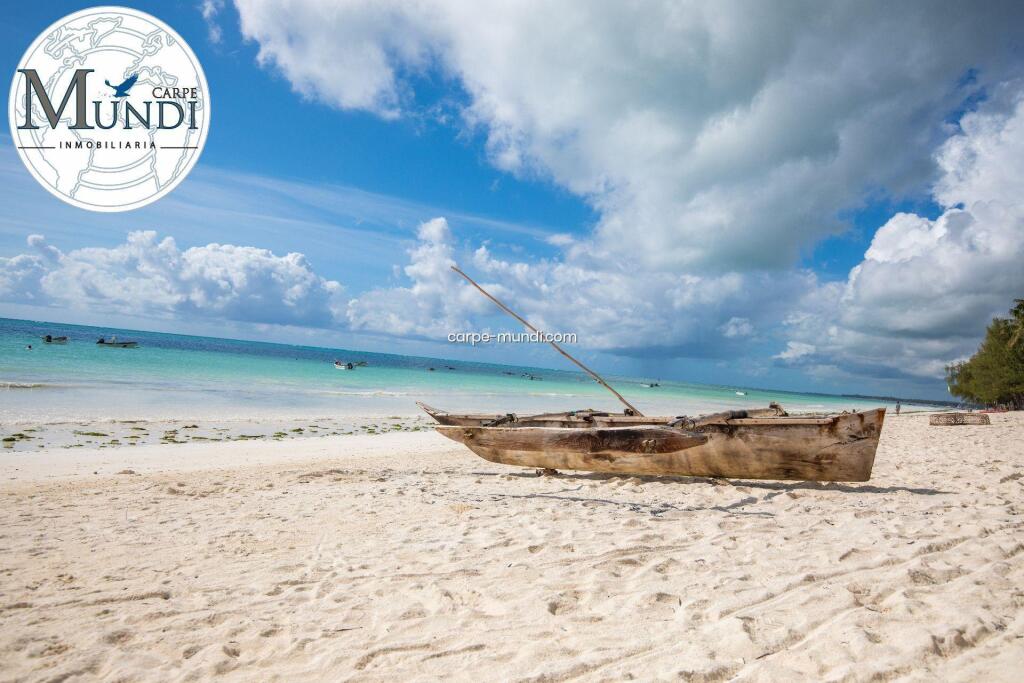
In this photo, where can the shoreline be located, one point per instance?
(31, 437)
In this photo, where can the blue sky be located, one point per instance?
(717, 218)
(420, 161)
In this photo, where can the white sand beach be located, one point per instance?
(402, 556)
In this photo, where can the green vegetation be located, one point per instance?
(995, 374)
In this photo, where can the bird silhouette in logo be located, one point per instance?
(122, 90)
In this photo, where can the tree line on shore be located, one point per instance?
(994, 375)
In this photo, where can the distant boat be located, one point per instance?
(338, 365)
(116, 344)
(653, 385)
(50, 339)
(741, 393)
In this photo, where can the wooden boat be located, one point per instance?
(747, 444)
(752, 444)
(112, 342)
(50, 339)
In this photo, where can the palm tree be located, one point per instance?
(1017, 323)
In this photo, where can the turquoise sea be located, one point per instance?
(172, 376)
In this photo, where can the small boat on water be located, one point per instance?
(50, 339)
(113, 342)
(338, 365)
(744, 444)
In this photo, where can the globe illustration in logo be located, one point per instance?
(109, 109)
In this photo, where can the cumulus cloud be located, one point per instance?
(926, 288)
(716, 142)
(432, 306)
(19, 278)
(919, 299)
(714, 136)
(351, 55)
(611, 304)
(151, 276)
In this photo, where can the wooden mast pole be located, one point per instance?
(553, 344)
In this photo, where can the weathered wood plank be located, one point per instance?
(591, 418)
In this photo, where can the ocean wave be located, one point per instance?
(368, 392)
(25, 385)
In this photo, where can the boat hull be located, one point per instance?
(835, 448)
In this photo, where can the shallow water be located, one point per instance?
(173, 376)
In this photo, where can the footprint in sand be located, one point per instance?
(416, 612)
(665, 566)
(564, 602)
(118, 637)
(666, 599)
